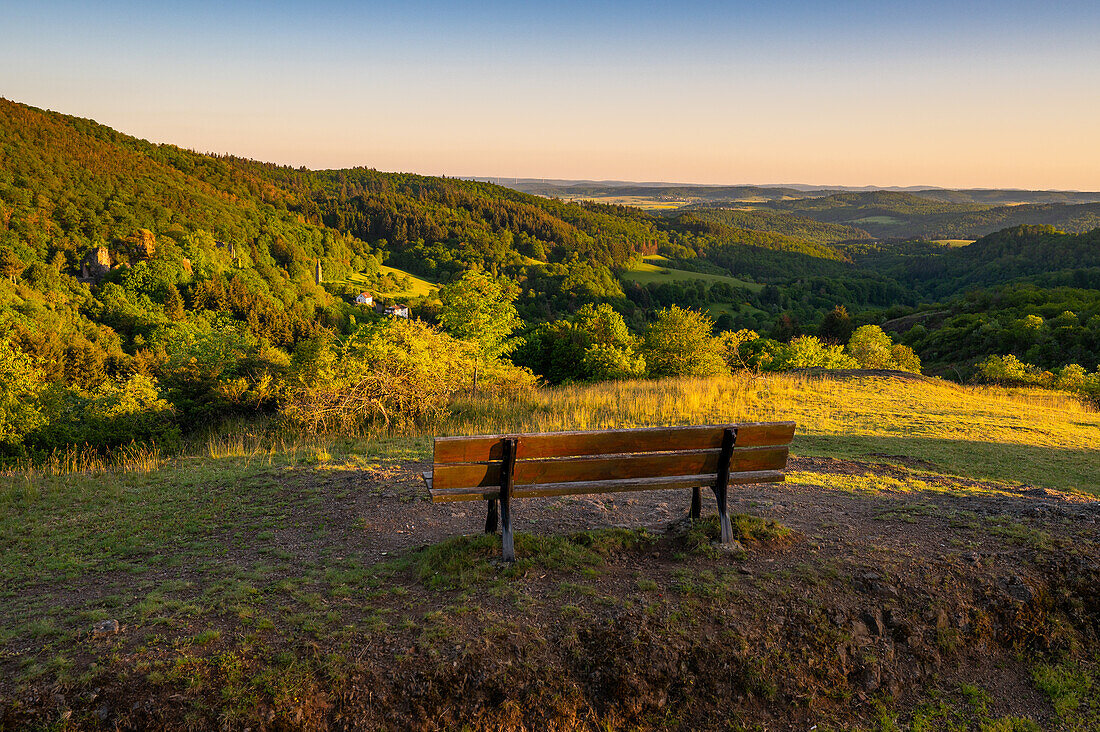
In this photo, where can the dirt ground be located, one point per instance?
(880, 597)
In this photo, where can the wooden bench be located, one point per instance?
(502, 468)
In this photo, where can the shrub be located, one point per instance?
(806, 352)
(604, 362)
(873, 349)
(679, 343)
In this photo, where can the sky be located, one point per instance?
(953, 94)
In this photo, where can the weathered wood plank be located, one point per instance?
(609, 467)
(483, 448)
(605, 486)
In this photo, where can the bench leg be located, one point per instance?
(491, 517)
(696, 503)
(723, 514)
(507, 485)
(509, 551)
(722, 485)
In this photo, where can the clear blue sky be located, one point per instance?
(881, 93)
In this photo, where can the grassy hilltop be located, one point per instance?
(267, 581)
(210, 505)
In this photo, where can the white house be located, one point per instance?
(399, 311)
(364, 298)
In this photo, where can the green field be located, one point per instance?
(953, 242)
(889, 220)
(649, 270)
(419, 287)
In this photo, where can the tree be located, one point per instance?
(905, 358)
(173, 304)
(837, 326)
(11, 266)
(478, 309)
(873, 349)
(870, 346)
(21, 384)
(603, 325)
(604, 362)
(785, 328)
(679, 343)
(732, 342)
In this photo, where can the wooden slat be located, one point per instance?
(609, 467)
(483, 448)
(604, 486)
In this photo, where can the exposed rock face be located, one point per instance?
(96, 264)
(145, 244)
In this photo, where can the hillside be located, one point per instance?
(915, 215)
(936, 568)
(185, 285)
(798, 227)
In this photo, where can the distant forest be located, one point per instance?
(122, 259)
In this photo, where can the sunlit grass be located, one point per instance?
(652, 269)
(1024, 435)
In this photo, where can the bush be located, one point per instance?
(604, 362)
(807, 352)
(873, 349)
(397, 372)
(679, 343)
(115, 413)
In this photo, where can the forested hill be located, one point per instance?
(122, 257)
(1039, 254)
(63, 174)
(905, 215)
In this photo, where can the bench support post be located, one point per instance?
(696, 503)
(721, 486)
(507, 485)
(491, 517)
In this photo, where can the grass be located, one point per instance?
(467, 561)
(1036, 437)
(651, 270)
(238, 539)
(747, 529)
(418, 287)
(1074, 690)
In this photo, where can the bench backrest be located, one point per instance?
(606, 461)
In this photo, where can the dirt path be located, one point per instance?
(395, 514)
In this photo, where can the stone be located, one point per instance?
(96, 264)
(734, 548)
(145, 243)
(105, 628)
(873, 620)
(1021, 590)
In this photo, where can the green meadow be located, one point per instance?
(652, 270)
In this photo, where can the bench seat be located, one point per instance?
(501, 468)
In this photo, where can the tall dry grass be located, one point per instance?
(822, 405)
